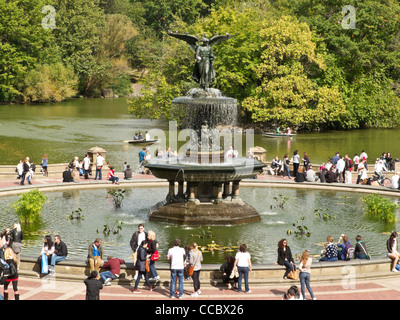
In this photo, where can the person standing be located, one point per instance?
(136, 239)
(11, 260)
(25, 172)
(195, 259)
(176, 256)
(286, 164)
(152, 250)
(86, 166)
(44, 165)
(362, 171)
(93, 286)
(305, 274)
(296, 162)
(243, 264)
(16, 242)
(285, 257)
(95, 255)
(306, 161)
(99, 166)
(364, 156)
(60, 253)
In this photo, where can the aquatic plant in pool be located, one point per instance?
(380, 208)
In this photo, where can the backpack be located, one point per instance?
(349, 252)
(4, 272)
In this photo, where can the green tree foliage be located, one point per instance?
(368, 55)
(77, 33)
(50, 83)
(23, 44)
(288, 95)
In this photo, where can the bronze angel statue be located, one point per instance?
(203, 72)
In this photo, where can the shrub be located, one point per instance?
(29, 206)
(379, 208)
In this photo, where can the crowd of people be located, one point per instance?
(339, 169)
(185, 262)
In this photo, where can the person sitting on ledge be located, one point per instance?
(128, 173)
(391, 245)
(67, 177)
(60, 253)
(330, 252)
(331, 175)
(310, 175)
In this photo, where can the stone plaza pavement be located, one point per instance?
(53, 289)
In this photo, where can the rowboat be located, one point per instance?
(278, 135)
(141, 141)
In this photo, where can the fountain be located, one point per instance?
(211, 179)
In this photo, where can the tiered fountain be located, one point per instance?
(210, 177)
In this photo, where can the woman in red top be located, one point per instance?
(112, 177)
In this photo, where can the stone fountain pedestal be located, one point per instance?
(203, 184)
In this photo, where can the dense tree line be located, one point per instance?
(307, 64)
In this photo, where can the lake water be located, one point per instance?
(68, 129)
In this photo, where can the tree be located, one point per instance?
(78, 30)
(287, 94)
(50, 83)
(24, 44)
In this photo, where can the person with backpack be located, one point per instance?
(12, 273)
(347, 251)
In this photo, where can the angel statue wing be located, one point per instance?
(190, 40)
(218, 39)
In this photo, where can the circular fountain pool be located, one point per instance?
(345, 210)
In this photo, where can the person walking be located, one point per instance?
(305, 274)
(176, 256)
(140, 266)
(136, 239)
(195, 259)
(243, 264)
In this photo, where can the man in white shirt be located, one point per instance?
(99, 165)
(340, 165)
(176, 255)
(310, 175)
(86, 166)
(395, 181)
